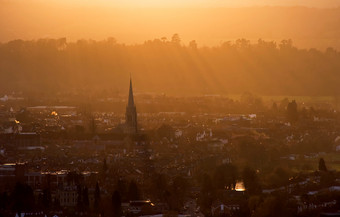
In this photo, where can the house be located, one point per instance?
(140, 206)
(223, 209)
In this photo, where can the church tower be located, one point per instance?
(131, 114)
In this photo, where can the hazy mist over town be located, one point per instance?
(169, 108)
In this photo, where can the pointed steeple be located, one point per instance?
(131, 102)
(131, 114)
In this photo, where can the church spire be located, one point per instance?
(131, 102)
(131, 113)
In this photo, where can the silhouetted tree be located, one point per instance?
(166, 131)
(176, 39)
(207, 194)
(193, 45)
(322, 165)
(286, 44)
(86, 201)
(274, 107)
(250, 180)
(23, 198)
(122, 188)
(80, 203)
(163, 39)
(280, 177)
(133, 191)
(179, 189)
(104, 166)
(283, 104)
(46, 199)
(225, 176)
(251, 100)
(116, 203)
(159, 186)
(97, 198)
(3, 201)
(292, 112)
(207, 186)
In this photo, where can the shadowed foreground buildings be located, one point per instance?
(186, 163)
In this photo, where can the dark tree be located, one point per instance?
(104, 166)
(225, 176)
(322, 165)
(207, 186)
(97, 198)
(292, 112)
(231, 172)
(175, 39)
(86, 201)
(46, 199)
(165, 131)
(179, 189)
(180, 185)
(251, 100)
(3, 201)
(193, 44)
(116, 204)
(159, 186)
(283, 104)
(274, 107)
(250, 180)
(207, 194)
(80, 203)
(219, 178)
(23, 198)
(133, 191)
(121, 187)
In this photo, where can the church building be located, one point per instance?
(131, 114)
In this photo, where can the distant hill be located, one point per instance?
(166, 66)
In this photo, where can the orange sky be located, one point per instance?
(190, 3)
(210, 22)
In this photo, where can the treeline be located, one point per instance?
(168, 66)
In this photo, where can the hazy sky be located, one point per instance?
(197, 3)
(209, 22)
